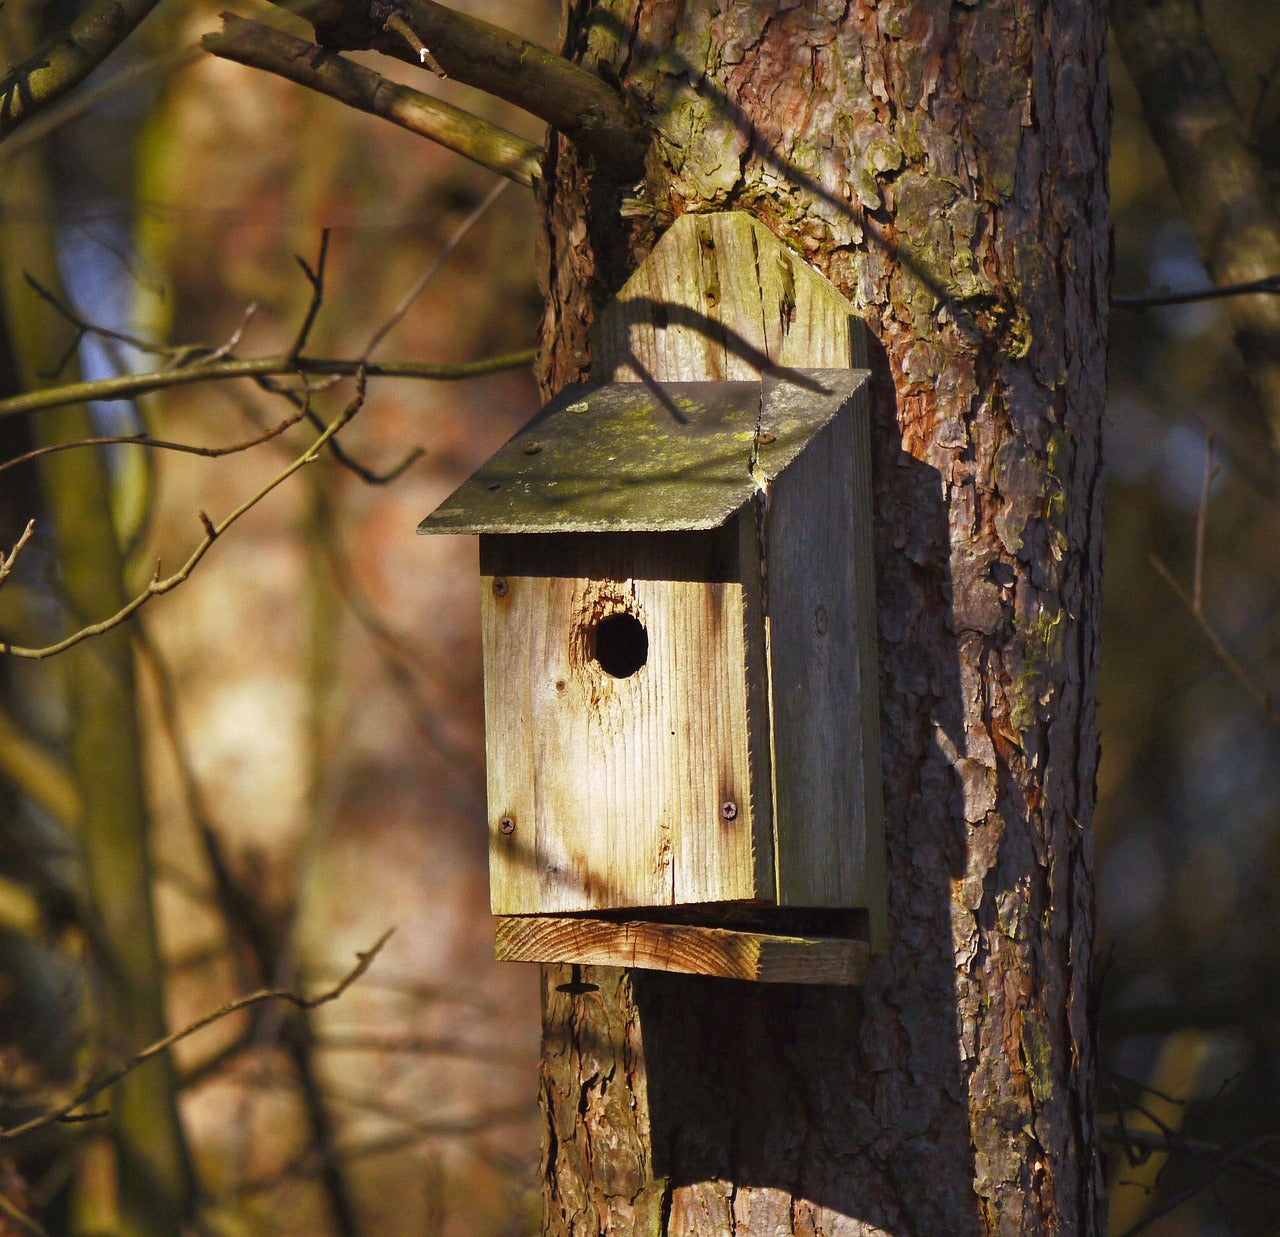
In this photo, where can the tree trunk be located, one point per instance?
(944, 165)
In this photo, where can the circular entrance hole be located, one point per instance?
(621, 645)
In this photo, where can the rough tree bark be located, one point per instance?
(943, 164)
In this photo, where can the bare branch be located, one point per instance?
(7, 561)
(68, 60)
(17, 1216)
(368, 475)
(588, 110)
(1153, 300)
(130, 385)
(261, 47)
(1225, 655)
(164, 584)
(64, 1111)
(159, 444)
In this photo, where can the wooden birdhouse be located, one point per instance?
(681, 698)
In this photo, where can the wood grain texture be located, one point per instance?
(723, 298)
(613, 789)
(689, 949)
(822, 657)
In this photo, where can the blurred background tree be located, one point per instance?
(310, 697)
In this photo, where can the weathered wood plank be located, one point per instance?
(722, 298)
(690, 949)
(608, 791)
(822, 656)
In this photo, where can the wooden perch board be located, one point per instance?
(691, 949)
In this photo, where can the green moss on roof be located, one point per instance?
(645, 457)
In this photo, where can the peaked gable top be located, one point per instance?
(647, 456)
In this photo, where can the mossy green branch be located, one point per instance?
(261, 47)
(64, 63)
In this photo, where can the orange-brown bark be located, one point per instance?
(944, 165)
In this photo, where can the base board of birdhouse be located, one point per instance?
(688, 948)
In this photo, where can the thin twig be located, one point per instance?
(164, 584)
(316, 279)
(434, 269)
(84, 327)
(1228, 659)
(248, 924)
(1152, 300)
(64, 1111)
(129, 385)
(233, 340)
(8, 561)
(368, 475)
(159, 444)
(1202, 525)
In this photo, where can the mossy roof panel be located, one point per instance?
(646, 457)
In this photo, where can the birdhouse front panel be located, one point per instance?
(617, 718)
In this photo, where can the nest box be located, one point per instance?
(681, 701)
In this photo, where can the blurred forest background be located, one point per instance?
(311, 695)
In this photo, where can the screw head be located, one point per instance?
(500, 586)
(729, 810)
(507, 825)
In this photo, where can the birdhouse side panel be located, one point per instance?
(618, 755)
(824, 687)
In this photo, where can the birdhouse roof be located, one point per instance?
(647, 456)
